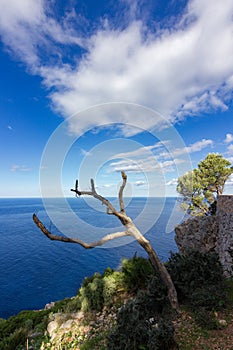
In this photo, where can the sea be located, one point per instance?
(35, 271)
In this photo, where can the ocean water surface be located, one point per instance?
(35, 271)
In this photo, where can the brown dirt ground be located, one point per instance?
(190, 336)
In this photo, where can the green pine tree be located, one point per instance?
(200, 187)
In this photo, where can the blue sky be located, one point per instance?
(92, 88)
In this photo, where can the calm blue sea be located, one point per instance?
(35, 271)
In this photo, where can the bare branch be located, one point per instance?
(76, 185)
(110, 209)
(93, 186)
(120, 195)
(85, 245)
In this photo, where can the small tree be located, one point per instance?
(200, 187)
(130, 230)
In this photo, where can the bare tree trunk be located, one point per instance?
(156, 264)
(165, 276)
(131, 230)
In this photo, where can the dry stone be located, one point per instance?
(52, 327)
(210, 233)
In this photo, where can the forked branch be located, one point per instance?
(110, 209)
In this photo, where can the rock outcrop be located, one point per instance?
(210, 233)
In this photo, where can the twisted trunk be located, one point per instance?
(156, 264)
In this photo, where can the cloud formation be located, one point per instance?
(140, 183)
(30, 32)
(142, 151)
(180, 72)
(17, 167)
(172, 182)
(155, 158)
(229, 181)
(230, 149)
(229, 138)
(195, 147)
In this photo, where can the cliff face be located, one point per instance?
(210, 234)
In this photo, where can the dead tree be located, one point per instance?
(130, 230)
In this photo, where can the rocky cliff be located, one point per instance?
(210, 234)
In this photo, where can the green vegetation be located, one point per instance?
(200, 186)
(199, 281)
(144, 322)
(129, 309)
(99, 290)
(196, 271)
(135, 273)
(15, 330)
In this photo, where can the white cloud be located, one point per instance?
(180, 72)
(144, 165)
(85, 153)
(229, 181)
(142, 151)
(22, 168)
(195, 147)
(199, 145)
(140, 183)
(172, 182)
(108, 185)
(29, 31)
(230, 149)
(229, 138)
(9, 127)
(144, 160)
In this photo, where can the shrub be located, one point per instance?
(91, 293)
(206, 318)
(22, 321)
(209, 297)
(198, 277)
(136, 272)
(99, 290)
(136, 331)
(18, 337)
(14, 331)
(141, 322)
(111, 285)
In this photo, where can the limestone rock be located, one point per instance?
(49, 305)
(222, 323)
(210, 233)
(51, 328)
(67, 324)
